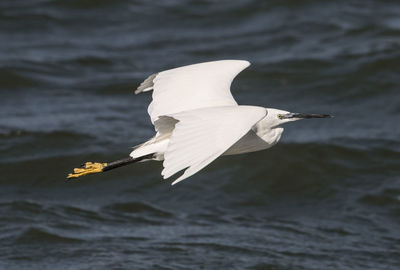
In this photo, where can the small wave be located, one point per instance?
(86, 4)
(61, 135)
(28, 210)
(85, 61)
(332, 158)
(23, 206)
(122, 87)
(137, 207)
(336, 231)
(13, 79)
(19, 145)
(214, 246)
(387, 63)
(387, 197)
(93, 61)
(40, 235)
(7, 133)
(11, 133)
(75, 212)
(369, 28)
(46, 152)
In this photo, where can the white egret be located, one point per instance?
(197, 120)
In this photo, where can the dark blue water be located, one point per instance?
(326, 197)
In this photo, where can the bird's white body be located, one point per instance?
(260, 137)
(197, 120)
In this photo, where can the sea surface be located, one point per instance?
(326, 197)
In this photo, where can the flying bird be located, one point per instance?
(196, 120)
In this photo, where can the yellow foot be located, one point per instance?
(88, 168)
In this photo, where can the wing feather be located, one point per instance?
(204, 134)
(192, 87)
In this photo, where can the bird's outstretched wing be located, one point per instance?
(204, 134)
(192, 87)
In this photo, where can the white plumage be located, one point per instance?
(192, 87)
(204, 134)
(197, 120)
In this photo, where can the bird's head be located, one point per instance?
(280, 117)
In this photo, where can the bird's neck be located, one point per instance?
(270, 135)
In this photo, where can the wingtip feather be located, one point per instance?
(181, 178)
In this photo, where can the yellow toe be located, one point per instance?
(88, 168)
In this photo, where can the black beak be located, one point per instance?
(304, 115)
